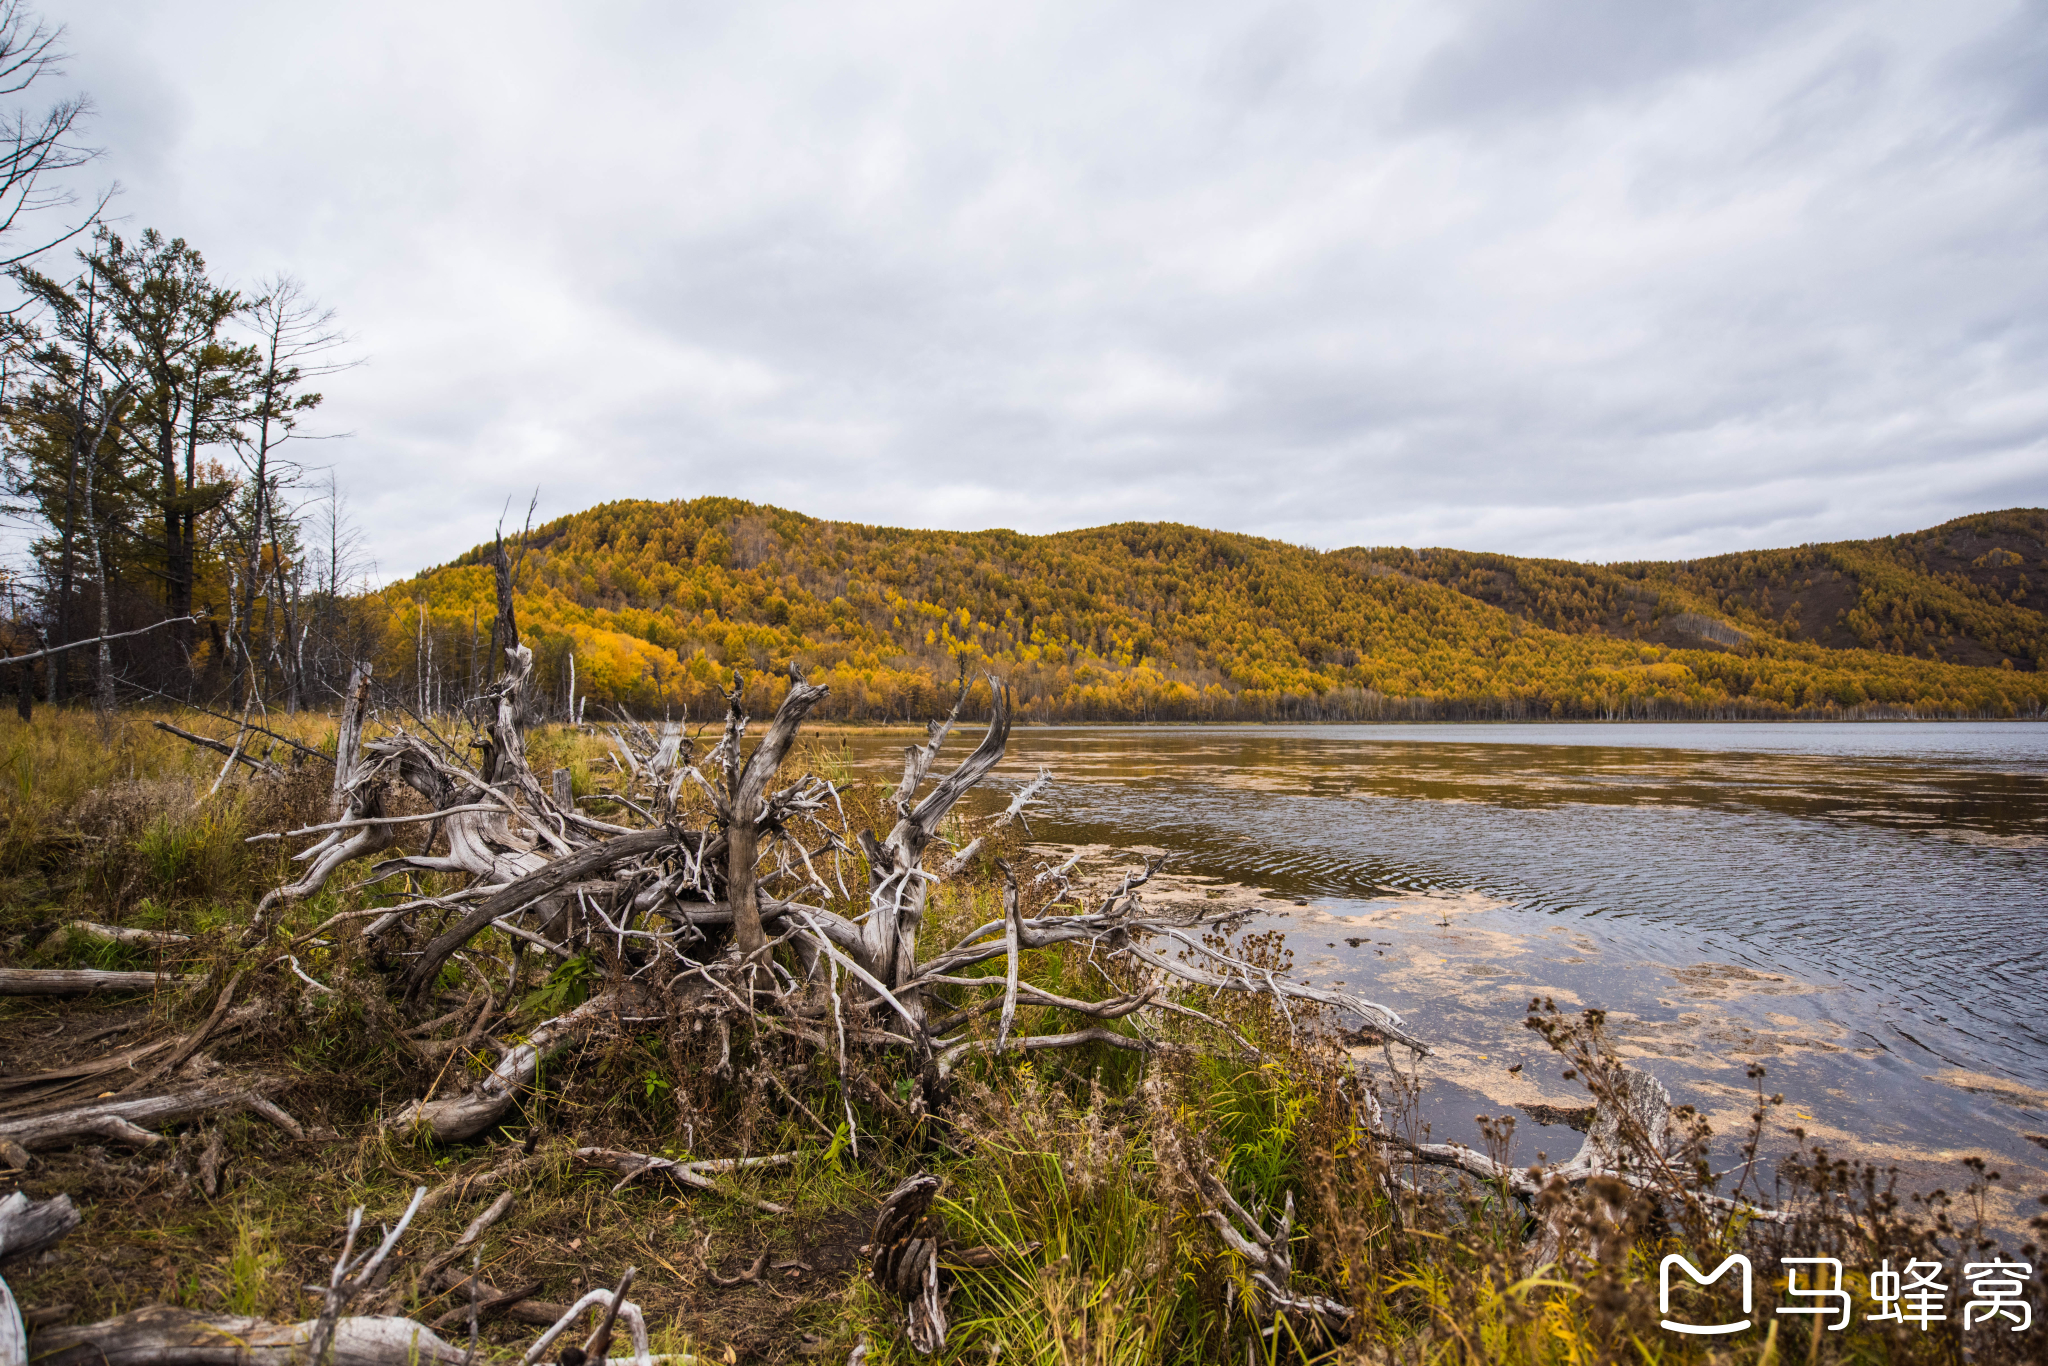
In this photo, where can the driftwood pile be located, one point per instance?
(698, 885)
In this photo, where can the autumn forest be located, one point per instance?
(652, 606)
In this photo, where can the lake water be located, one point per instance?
(1863, 908)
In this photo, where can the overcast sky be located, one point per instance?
(1599, 280)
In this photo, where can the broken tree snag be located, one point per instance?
(897, 880)
(348, 738)
(76, 981)
(504, 626)
(904, 1253)
(743, 808)
(163, 1336)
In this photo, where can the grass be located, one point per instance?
(1079, 1170)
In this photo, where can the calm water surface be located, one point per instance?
(1864, 908)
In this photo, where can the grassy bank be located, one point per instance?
(1079, 1174)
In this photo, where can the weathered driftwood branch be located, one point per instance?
(1037, 1043)
(613, 1305)
(1627, 1142)
(430, 1271)
(957, 864)
(349, 1278)
(122, 934)
(593, 861)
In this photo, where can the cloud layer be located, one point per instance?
(1596, 279)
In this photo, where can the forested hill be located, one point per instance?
(654, 604)
(1971, 591)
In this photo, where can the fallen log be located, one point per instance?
(162, 1336)
(121, 934)
(77, 981)
(29, 1227)
(123, 1121)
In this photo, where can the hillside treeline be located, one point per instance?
(652, 606)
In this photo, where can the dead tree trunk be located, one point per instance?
(348, 736)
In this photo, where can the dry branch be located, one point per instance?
(235, 753)
(631, 1166)
(1270, 1258)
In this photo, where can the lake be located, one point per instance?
(1862, 908)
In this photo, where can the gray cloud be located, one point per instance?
(1602, 279)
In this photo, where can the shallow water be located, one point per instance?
(1859, 907)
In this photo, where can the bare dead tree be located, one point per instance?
(37, 149)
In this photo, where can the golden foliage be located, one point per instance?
(659, 602)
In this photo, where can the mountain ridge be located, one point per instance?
(658, 602)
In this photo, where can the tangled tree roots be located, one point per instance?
(701, 898)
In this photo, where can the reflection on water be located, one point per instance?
(1861, 906)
